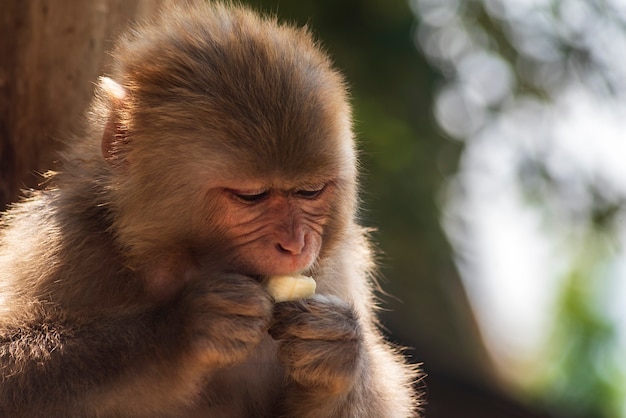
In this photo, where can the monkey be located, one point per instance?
(218, 151)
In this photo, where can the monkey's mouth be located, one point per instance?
(263, 277)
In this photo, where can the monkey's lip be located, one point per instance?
(262, 277)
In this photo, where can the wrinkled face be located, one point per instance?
(274, 230)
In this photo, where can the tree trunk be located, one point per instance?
(51, 53)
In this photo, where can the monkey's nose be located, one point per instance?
(292, 246)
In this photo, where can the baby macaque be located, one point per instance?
(219, 153)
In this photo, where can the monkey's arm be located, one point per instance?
(338, 365)
(52, 364)
(137, 361)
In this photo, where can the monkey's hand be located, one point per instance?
(319, 343)
(227, 317)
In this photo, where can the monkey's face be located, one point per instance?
(271, 229)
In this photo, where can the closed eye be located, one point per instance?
(310, 194)
(246, 197)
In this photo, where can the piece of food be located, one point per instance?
(287, 288)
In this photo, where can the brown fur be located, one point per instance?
(130, 287)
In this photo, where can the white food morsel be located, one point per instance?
(287, 288)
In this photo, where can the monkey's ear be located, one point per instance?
(114, 133)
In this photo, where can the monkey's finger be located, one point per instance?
(314, 319)
(233, 295)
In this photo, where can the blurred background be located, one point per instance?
(494, 153)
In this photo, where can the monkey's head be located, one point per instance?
(228, 139)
